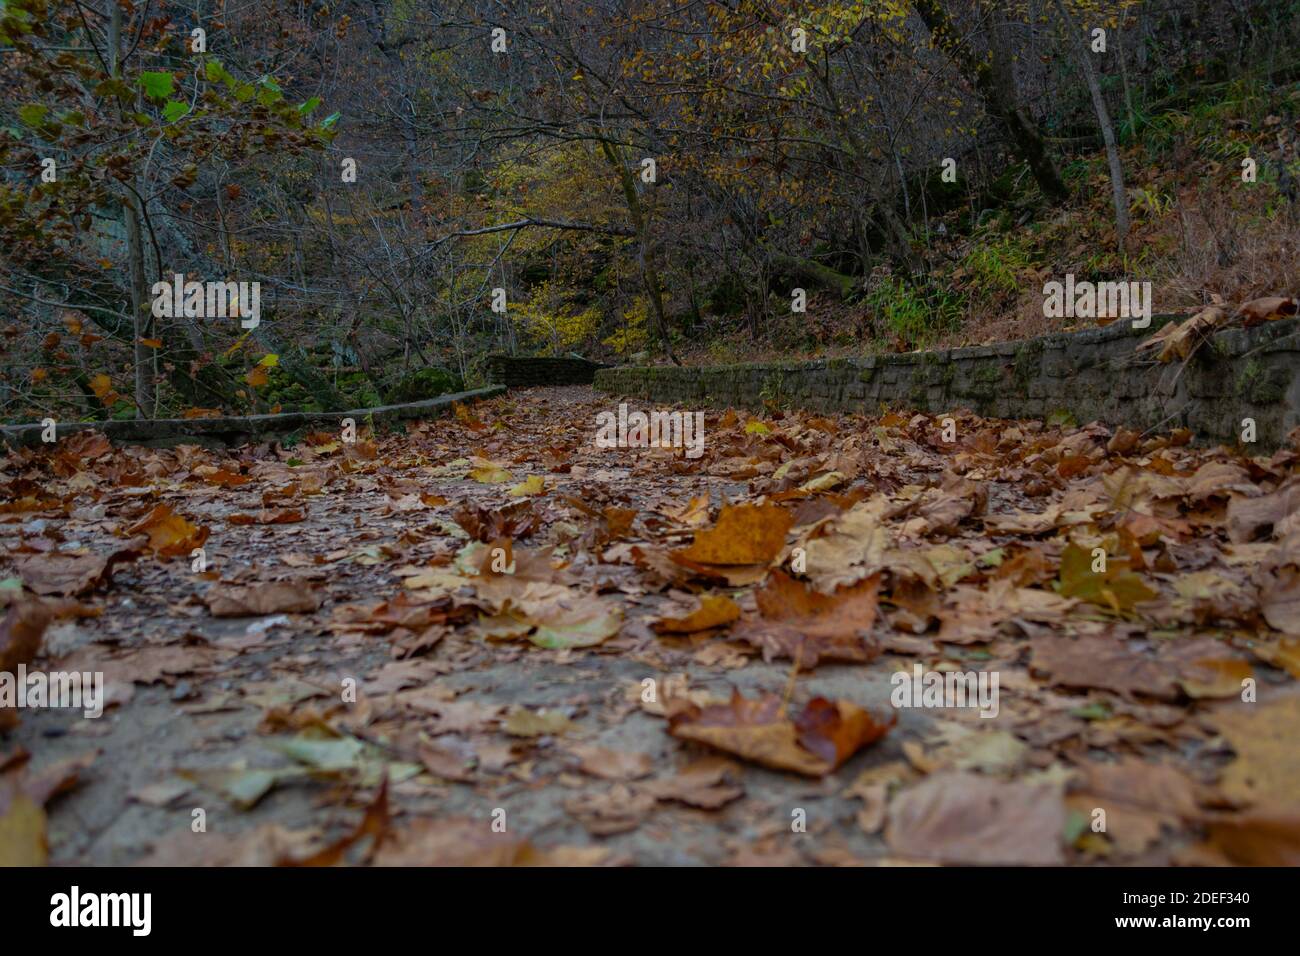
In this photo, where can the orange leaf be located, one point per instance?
(816, 741)
(803, 624)
(715, 610)
(169, 534)
(744, 534)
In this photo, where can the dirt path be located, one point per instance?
(353, 626)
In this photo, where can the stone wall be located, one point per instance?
(523, 371)
(1091, 375)
(233, 431)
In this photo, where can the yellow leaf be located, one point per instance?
(101, 385)
(22, 833)
(532, 485)
(488, 472)
(744, 534)
(715, 610)
(823, 482)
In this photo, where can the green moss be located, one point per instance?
(422, 384)
(1061, 418)
(1025, 365)
(1259, 386)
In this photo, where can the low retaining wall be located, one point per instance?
(234, 431)
(1090, 375)
(522, 372)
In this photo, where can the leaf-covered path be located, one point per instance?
(490, 640)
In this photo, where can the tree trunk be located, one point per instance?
(142, 317)
(144, 355)
(1083, 56)
(814, 272)
(998, 94)
(649, 273)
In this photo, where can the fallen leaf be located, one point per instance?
(803, 624)
(812, 742)
(744, 534)
(170, 534)
(1264, 735)
(962, 817)
(273, 597)
(715, 610)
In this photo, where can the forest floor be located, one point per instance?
(489, 640)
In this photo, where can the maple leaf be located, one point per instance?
(803, 624)
(170, 534)
(488, 472)
(744, 534)
(1267, 768)
(813, 742)
(715, 610)
(72, 574)
(963, 817)
(1116, 588)
(269, 598)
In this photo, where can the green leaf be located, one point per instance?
(270, 92)
(157, 85)
(329, 120)
(1116, 588)
(243, 787)
(309, 105)
(110, 88)
(18, 22)
(174, 110)
(33, 114)
(214, 70)
(1076, 825)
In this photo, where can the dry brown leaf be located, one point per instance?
(744, 534)
(963, 817)
(715, 610)
(1268, 309)
(273, 597)
(610, 764)
(1264, 735)
(170, 534)
(803, 624)
(812, 742)
(56, 572)
(707, 783)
